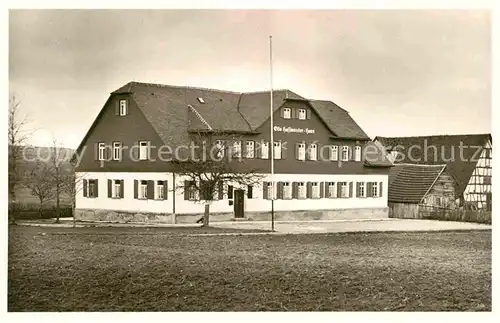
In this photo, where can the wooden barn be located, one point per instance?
(416, 191)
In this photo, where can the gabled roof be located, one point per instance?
(338, 120)
(224, 110)
(447, 152)
(409, 183)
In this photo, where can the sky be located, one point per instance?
(398, 73)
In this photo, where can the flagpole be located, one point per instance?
(271, 144)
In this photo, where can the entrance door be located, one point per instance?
(239, 203)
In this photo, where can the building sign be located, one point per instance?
(306, 131)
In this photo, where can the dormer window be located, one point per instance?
(287, 113)
(201, 100)
(123, 108)
(302, 114)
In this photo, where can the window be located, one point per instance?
(287, 113)
(334, 153)
(191, 192)
(361, 189)
(277, 150)
(438, 200)
(250, 150)
(343, 189)
(265, 150)
(123, 107)
(117, 186)
(117, 150)
(357, 153)
(302, 114)
(301, 190)
(143, 190)
(331, 189)
(313, 152)
(143, 150)
(301, 151)
(219, 149)
(230, 191)
(345, 153)
(237, 149)
(375, 189)
(92, 190)
(315, 190)
(160, 190)
(287, 191)
(102, 151)
(269, 190)
(201, 100)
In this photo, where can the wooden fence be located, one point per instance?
(420, 211)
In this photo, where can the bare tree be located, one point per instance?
(40, 183)
(215, 160)
(72, 184)
(17, 137)
(60, 168)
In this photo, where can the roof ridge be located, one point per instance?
(447, 135)
(183, 87)
(424, 165)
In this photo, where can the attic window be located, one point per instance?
(201, 100)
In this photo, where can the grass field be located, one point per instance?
(138, 269)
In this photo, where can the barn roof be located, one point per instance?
(409, 183)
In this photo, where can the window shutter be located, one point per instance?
(165, 190)
(368, 189)
(257, 149)
(309, 190)
(264, 190)
(135, 188)
(282, 112)
(150, 190)
(351, 152)
(357, 189)
(322, 189)
(186, 190)
(380, 189)
(308, 152)
(308, 113)
(339, 189)
(96, 151)
(297, 150)
(283, 150)
(250, 191)
(350, 189)
(117, 108)
(85, 188)
(294, 190)
(294, 113)
(221, 190)
(122, 185)
(96, 188)
(110, 187)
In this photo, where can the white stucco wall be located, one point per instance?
(257, 203)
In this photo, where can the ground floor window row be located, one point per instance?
(317, 190)
(158, 190)
(143, 189)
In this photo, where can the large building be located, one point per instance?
(320, 157)
(468, 159)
